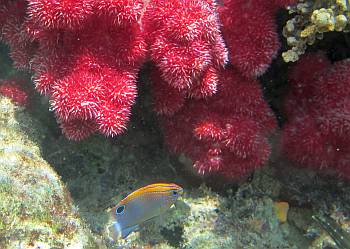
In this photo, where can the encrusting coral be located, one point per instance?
(312, 19)
(36, 210)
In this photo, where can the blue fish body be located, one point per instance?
(142, 205)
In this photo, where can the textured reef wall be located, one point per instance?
(36, 210)
(96, 171)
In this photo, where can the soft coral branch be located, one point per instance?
(225, 134)
(85, 57)
(316, 134)
(186, 44)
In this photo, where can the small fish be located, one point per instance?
(340, 237)
(142, 205)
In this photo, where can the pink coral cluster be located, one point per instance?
(13, 90)
(221, 125)
(187, 48)
(318, 109)
(186, 44)
(86, 54)
(227, 133)
(250, 31)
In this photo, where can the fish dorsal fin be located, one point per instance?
(128, 230)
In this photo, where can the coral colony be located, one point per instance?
(318, 110)
(86, 54)
(12, 89)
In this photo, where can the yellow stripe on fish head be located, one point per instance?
(142, 205)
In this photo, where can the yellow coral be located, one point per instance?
(340, 22)
(311, 19)
(323, 19)
(308, 31)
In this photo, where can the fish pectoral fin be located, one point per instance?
(128, 230)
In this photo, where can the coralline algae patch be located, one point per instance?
(35, 208)
(205, 228)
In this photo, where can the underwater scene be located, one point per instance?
(165, 124)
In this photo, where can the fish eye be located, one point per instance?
(120, 210)
(174, 192)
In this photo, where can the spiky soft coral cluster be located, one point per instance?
(85, 56)
(186, 47)
(227, 133)
(250, 32)
(318, 109)
(12, 17)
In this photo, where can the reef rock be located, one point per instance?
(36, 210)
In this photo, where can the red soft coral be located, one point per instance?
(301, 91)
(122, 12)
(60, 14)
(316, 134)
(223, 134)
(185, 44)
(13, 90)
(96, 91)
(85, 57)
(250, 33)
